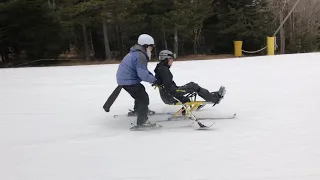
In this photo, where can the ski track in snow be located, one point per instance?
(52, 125)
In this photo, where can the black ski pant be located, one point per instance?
(139, 94)
(194, 87)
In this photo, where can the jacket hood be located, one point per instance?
(138, 47)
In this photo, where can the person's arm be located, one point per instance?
(142, 70)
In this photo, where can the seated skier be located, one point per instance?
(168, 88)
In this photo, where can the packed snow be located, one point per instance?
(53, 127)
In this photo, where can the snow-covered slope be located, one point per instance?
(53, 127)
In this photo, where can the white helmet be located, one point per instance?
(145, 39)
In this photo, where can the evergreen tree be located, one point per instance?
(31, 27)
(99, 28)
(246, 20)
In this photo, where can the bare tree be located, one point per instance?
(302, 28)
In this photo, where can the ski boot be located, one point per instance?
(220, 94)
(135, 113)
(145, 126)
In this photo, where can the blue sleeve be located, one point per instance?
(142, 70)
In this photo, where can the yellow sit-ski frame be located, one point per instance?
(188, 107)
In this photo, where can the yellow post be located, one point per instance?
(271, 44)
(238, 48)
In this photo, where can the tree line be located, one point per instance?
(106, 29)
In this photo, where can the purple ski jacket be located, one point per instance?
(133, 68)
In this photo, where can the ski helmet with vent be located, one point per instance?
(165, 54)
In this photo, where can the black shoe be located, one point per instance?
(145, 126)
(135, 113)
(132, 113)
(144, 122)
(150, 112)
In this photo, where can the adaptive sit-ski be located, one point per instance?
(189, 105)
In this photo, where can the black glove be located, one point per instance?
(153, 84)
(157, 82)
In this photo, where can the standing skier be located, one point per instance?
(132, 70)
(169, 89)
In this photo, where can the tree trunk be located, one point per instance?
(176, 44)
(293, 27)
(282, 35)
(290, 28)
(85, 37)
(1, 58)
(4, 57)
(122, 50)
(92, 51)
(106, 40)
(164, 35)
(195, 41)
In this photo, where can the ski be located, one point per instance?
(150, 114)
(181, 118)
(202, 126)
(154, 114)
(157, 126)
(222, 117)
(206, 127)
(145, 128)
(178, 118)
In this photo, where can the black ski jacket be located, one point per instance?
(167, 87)
(164, 77)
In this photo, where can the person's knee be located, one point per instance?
(144, 100)
(143, 97)
(194, 86)
(142, 110)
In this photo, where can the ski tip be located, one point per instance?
(204, 127)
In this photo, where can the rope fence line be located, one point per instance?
(276, 32)
(253, 52)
